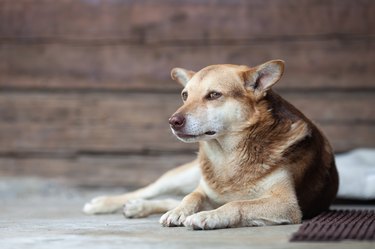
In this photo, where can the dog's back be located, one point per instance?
(310, 160)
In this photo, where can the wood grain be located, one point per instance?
(85, 91)
(323, 64)
(149, 21)
(71, 122)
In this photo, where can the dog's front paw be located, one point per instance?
(175, 217)
(207, 220)
(102, 205)
(136, 209)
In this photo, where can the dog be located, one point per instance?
(260, 161)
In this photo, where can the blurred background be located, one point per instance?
(85, 91)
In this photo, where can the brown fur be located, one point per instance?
(262, 162)
(276, 141)
(271, 142)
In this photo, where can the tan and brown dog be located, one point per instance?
(260, 162)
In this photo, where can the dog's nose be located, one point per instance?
(177, 121)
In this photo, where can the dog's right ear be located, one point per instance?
(181, 75)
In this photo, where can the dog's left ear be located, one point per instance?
(181, 75)
(261, 78)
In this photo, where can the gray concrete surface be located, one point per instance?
(39, 214)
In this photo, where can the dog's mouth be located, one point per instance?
(210, 133)
(186, 136)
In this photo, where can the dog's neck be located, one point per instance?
(224, 145)
(259, 143)
(225, 159)
(230, 148)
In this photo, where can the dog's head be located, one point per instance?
(221, 99)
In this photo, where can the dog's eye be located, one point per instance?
(213, 95)
(184, 96)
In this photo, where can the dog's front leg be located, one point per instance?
(259, 212)
(191, 204)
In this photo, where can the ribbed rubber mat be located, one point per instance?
(338, 225)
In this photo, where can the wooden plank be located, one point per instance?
(150, 21)
(335, 107)
(345, 137)
(91, 171)
(72, 122)
(309, 64)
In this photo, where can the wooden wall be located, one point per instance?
(85, 92)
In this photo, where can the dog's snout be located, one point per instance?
(177, 121)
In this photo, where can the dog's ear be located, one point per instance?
(181, 75)
(261, 78)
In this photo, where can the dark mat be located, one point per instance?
(338, 225)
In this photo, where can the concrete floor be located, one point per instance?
(37, 214)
